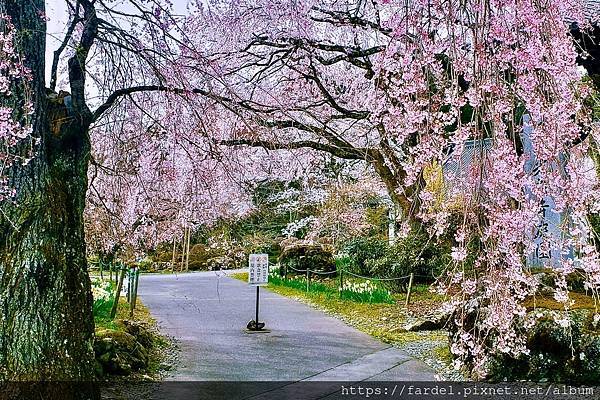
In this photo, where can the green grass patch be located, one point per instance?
(376, 296)
(102, 307)
(104, 320)
(300, 284)
(359, 292)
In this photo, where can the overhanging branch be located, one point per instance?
(348, 154)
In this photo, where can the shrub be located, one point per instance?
(362, 249)
(301, 255)
(417, 254)
(391, 266)
(343, 262)
(200, 256)
(145, 264)
(260, 242)
(377, 218)
(162, 254)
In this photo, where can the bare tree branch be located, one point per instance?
(63, 45)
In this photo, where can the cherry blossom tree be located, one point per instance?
(396, 84)
(406, 85)
(46, 326)
(146, 188)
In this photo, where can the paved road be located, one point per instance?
(207, 314)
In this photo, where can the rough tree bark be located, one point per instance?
(46, 323)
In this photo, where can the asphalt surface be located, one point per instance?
(207, 315)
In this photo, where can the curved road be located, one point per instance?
(208, 313)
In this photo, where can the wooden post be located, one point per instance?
(128, 283)
(113, 312)
(137, 281)
(410, 282)
(183, 249)
(131, 284)
(341, 281)
(187, 257)
(173, 258)
(307, 279)
(136, 278)
(130, 291)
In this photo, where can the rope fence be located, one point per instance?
(357, 275)
(377, 279)
(410, 277)
(121, 270)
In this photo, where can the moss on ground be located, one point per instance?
(160, 344)
(443, 353)
(581, 302)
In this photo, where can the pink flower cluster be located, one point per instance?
(511, 65)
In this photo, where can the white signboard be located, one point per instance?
(258, 269)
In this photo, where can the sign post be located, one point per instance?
(258, 275)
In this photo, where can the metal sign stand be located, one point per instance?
(257, 301)
(258, 275)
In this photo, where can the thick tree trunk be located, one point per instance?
(46, 323)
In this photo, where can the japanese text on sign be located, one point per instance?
(258, 269)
